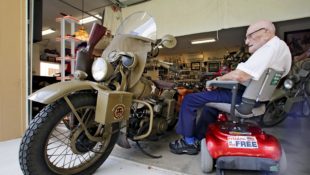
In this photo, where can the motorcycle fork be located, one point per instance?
(89, 136)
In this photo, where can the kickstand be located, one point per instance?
(146, 153)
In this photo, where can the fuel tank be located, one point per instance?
(142, 88)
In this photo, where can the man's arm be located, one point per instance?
(237, 75)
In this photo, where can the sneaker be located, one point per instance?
(181, 147)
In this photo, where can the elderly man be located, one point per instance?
(267, 50)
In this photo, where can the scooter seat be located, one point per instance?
(225, 107)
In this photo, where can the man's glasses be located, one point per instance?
(250, 35)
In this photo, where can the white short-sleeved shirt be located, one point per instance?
(274, 54)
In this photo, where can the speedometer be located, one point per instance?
(113, 56)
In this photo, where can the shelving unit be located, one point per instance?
(63, 38)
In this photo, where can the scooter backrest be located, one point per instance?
(261, 90)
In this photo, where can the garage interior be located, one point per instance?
(229, 37)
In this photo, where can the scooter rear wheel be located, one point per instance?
(206, 159)
(282, 162)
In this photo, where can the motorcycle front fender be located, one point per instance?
(53, 92)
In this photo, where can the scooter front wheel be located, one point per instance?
(51, 147)
(206, 159)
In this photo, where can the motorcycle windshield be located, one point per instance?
(139, 25)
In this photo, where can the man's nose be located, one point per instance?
(246, 41)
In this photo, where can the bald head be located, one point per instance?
(258, 34)
(268, 25)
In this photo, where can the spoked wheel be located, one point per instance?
(274, 114)
(56, 143)
(206, 159)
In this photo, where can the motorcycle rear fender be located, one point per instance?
(56, 91)
(277, 94)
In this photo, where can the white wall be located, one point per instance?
(13, 69)
(183, 17)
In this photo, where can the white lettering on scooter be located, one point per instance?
(242, 142)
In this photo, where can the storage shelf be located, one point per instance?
(67, 58)
(62, 39)
(68, 38)
(68, 19)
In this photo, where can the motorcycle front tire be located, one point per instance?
(33, 150)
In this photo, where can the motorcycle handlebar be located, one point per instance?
(169, 66)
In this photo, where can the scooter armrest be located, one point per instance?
(233, 85)
(223, 84)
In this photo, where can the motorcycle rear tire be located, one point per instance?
(33, 150)
(274, 113)
(306, 107)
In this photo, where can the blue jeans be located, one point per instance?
(187, 125)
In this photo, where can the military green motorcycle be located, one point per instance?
(108, 102)
(295, 89)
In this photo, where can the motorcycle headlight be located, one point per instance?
(288, 84)
(101, 69)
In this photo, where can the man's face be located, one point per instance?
(255, 37)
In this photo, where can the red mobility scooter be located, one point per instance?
(234, 142)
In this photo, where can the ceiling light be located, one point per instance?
(205, 40)
(89, 19)
(47, 31)
(81, 34)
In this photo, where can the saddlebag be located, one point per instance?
(113, 106)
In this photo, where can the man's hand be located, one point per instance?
(211, 88)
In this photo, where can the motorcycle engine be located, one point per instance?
(140, 117)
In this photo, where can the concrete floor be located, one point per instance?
(9, 164)
(293, 134)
